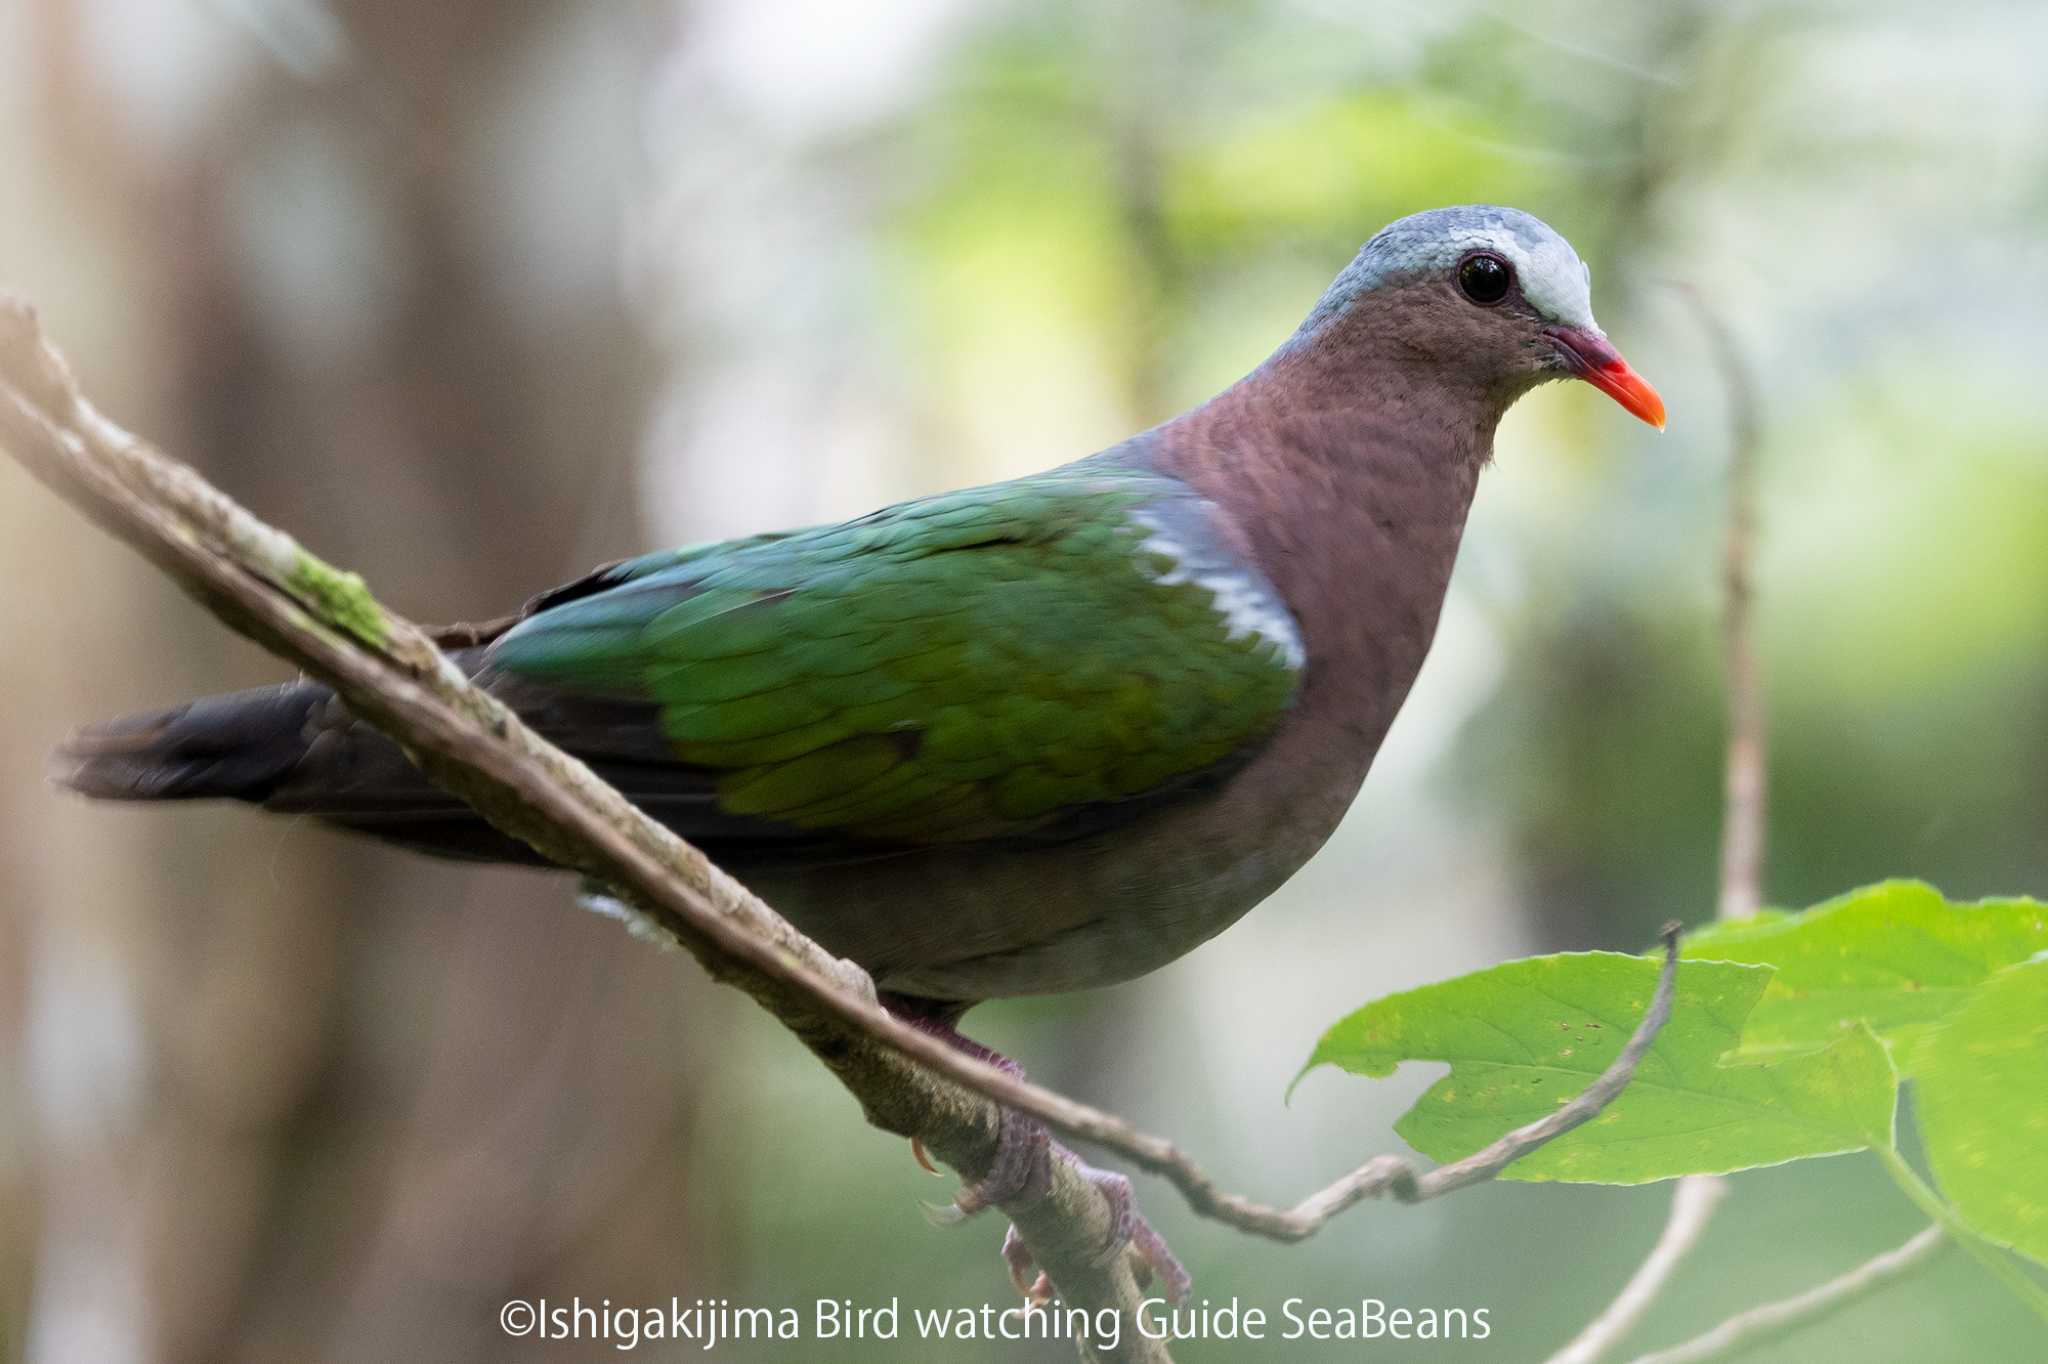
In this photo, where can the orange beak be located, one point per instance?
(1593, 359)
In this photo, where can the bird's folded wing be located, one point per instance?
(995, 663)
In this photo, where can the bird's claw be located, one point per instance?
(1019, 1169)
(1131, 1234)
(1023, 1168)
(1036, 1289)
(942, 1214)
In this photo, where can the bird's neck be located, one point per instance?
(1346, 472)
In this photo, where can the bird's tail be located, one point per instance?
(296, 750)
(239, 746)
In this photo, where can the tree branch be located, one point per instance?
(1774, 1319)
(264, 584)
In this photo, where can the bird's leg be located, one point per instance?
(1128, 1228)
(1022, 1168)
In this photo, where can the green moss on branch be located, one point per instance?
(339, 598)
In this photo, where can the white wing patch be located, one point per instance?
(1246, 603)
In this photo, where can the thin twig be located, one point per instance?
(1692, 1207)
(1774, 1319)
(1746, 767)
(1742, 815)
(1742, 823)
(261, 582)
(1393, 1175)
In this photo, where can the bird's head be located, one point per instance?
(1489, 294)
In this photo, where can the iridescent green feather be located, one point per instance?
(973, 665)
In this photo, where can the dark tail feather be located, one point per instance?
(290, 749)
(237, 747)
(295, 750)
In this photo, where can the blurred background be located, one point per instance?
(472, 295)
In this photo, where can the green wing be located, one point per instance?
(981, 664)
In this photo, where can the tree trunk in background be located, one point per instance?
(315, 1099)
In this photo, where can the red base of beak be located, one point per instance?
(1601, 365)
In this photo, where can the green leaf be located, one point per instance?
(1895, 956)
(1983, 1106)
(1527, 1036)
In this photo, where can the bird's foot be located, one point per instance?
(1022, 1169)
(1129, 1233)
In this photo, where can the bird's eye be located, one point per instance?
(1485, 278)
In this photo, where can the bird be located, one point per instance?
(1026, 738)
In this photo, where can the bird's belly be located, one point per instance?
(974, 924)
(1029, 922)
